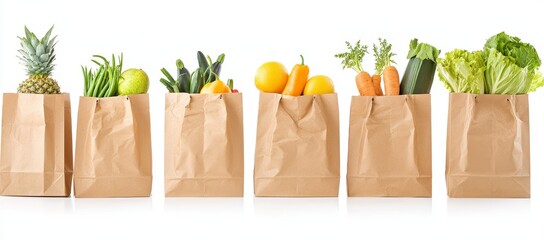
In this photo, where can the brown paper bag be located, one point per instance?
(204, 145)
(36, 145)
(487, 151)
(297, 151)
(389, 151)
(113, 147)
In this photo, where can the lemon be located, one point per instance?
(319, 84)
(271, 77)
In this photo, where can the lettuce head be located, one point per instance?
(462, 71)
(511, 66)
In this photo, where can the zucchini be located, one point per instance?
(188, 82)
(196, 81)
(202, 61)
(216, 66)
(419, 74)
(418, 77)
(184, 82)
(184, 77)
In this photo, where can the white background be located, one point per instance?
(153, 34)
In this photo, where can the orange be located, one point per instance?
(319, 84)
(216, 86)
(271, 77)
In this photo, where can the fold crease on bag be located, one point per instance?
(487, 151)
(389, 151)
(113, 147)
(204, 152)
(297, 148)
(36, 155)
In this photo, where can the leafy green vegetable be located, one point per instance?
(511, 66)
(503, 76)
(538, 81)
(419, 74)
(523, 54)
(462, 71)
(422, 51)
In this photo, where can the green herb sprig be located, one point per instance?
(383, 55)
(353, 58)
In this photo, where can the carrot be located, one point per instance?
(383, 56)
(353, 59)
(391, 81)
(376, 82)
(364, 84)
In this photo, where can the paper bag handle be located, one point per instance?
(512, 101)
(370, 107)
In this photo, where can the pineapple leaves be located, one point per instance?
(44, 57)
(37, 55)
(45, 38)
(23, 54)
(28, 34)
(34, 41)
(27, 46)
(52, 43)
(40, 50)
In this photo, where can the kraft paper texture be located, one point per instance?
(389, 152)
(113, 147)
(36, 157)
(297, 151)
(488, 151)
(204, 145)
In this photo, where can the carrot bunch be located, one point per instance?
(371, 85)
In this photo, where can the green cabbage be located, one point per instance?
(462, 71)
(523, 54)
(511, 66)
(538, 81)
(503, 76)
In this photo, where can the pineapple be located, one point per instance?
(38, 56)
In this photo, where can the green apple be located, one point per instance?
(133, 81)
